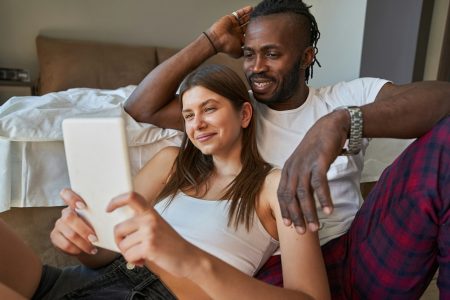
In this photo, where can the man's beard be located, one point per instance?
(288, 88)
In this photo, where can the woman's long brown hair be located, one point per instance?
(192, 168)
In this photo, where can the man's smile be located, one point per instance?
(260, 84)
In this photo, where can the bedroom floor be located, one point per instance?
(432, 292)
(41, 221)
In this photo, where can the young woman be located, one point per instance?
(207, 217)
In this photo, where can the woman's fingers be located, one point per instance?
(133, 255)
(133, 200)
(60, 241)
(72, 199)
(74, 230)
(129, 241)
(146, 224)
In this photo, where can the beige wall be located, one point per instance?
(174, 23)
(170, 23)
(436, 39)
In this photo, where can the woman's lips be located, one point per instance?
(204, 137)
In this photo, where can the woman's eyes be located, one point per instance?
(210, 109)
(188, 116)
(207, 109)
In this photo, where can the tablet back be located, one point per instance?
(99, 169)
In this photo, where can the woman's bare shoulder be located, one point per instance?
(162, 161)
(269, 188)
(152, 178)
(272, 179)
(172, 151)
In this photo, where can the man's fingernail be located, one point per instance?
(313, 227)
(327, 210)
(300, 230)
(286, 222)
(92, 238)
(94, 251)
(80, 205)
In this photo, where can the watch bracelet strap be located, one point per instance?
(356, 130)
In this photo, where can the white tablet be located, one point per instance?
(99, 170)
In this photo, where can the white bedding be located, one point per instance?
(32, 161)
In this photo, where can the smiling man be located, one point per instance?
(389, 249)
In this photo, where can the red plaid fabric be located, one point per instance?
(271, 271)
(401, 234)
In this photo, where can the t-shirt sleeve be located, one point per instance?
(357, 92)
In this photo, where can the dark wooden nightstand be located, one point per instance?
(9, 89)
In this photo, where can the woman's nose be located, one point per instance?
(199, 122)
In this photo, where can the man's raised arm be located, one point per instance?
(155, 101)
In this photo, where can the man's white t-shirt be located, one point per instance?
(280, 132)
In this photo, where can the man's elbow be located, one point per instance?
(139, 115)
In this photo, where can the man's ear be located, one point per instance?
(307, 57)
(246, 114)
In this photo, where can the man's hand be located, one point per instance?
(304, 174)
(227, 33)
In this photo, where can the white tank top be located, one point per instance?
(204, 223)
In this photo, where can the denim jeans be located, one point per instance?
(114, 281)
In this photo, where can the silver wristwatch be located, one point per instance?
(356, 130)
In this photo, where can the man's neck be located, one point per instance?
(294, 102)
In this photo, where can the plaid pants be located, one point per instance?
(400, 235)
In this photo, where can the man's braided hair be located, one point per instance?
(270, 7)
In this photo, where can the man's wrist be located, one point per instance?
(355, 130)
(342, 121)
(210, 41)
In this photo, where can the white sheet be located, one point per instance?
(380, 154)
(32, 161)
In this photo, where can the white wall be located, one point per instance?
(341, 24)
(171, 23)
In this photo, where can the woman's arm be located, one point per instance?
(74, 236)
(301, 255)
(7, 293)
(148, 238)
(161, 247)
(304, 274)
(152, 178)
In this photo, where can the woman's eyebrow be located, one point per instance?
(203, 104)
